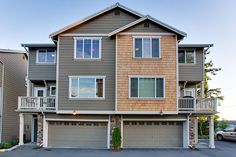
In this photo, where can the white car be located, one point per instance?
(227, 134)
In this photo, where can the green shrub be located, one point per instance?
(116, 138)
(9, 144)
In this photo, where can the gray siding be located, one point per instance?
(40, 71)
(79, 116)
(152, 28)
(68, 66)
(104, 23)
(1, 73)
(15, 66)
(193, 72)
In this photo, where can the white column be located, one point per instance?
(196, 130)
(202, 89)
(32, 128)
(186, 133)
(21, 129)
(211, 132)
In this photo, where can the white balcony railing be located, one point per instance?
(36, 103)
(199, 104)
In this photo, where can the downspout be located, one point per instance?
(1, 107)
(27, 80)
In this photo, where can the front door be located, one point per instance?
(39, 92)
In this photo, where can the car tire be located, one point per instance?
(219, 137)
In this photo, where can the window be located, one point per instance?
(46, 56)
(145, 87)
(87, 87)
(146, 47)
(87, 48)
(52, 90)
(187, 56)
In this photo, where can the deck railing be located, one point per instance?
(36, 103)
(199, 104)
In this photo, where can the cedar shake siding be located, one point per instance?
(165, 66)
(104, 23)
(40, 71)
(70, 67)
(192, 72)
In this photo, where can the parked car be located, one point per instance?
(227, 134)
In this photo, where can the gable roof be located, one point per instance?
(94, 15)
(183, 34)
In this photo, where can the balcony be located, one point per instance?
(36, 104)
(199, 105)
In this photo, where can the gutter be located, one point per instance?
(1, 107)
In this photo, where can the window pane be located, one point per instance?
(181, 56)
(155, 48)
(50, 56)
(138, 47)
(74, 87)
(95, 48)
(87, 48)
(134, 87)
(79, 49)
(99, 90)
(189, 57)
(42, 56)
(147, 48)
(159, 87)
(53, 90)
(86, 87)
(147, 87)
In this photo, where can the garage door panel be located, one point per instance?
(92, 136)
(153, 134)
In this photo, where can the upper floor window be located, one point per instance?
(147, 87)
(46, 56)
(146, 47)
(87, 48)
(86, 86)
(187, 56)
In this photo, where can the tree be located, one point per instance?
(210, 71)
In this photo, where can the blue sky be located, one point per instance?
(205, 21)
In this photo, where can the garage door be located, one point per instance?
(152, 134)
(77, 134)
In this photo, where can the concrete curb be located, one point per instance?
(9, 149)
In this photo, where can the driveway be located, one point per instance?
(223, 149)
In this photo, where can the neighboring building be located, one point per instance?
(13, 71)
(116, 68)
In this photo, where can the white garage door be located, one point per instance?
(152, 134)
(77, 134)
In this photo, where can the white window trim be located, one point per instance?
(92, 38)
(148, 76)
(85, 98)
(150, 37)
(185, 63)
(50, 90)
(45, 63)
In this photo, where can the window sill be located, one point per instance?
(147, 98)
(77, 59)
(187, 64)
(137, 58)
(45, 63)
(88, 99)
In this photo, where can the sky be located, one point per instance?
(205, 21)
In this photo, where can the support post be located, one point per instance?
(211, 132)
(21, 129)
(202, 89)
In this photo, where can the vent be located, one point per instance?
(117, 12)
(146, 24)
